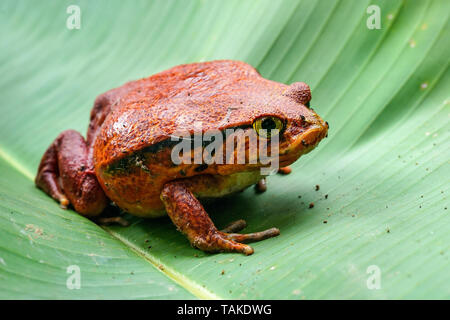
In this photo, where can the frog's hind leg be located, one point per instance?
(192, 220)
(66, 174)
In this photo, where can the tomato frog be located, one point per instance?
(126, 157)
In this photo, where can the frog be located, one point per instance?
(126, 158)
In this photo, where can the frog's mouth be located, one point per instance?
(302, 143)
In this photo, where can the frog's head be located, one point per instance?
(301, 129)
(282, 119)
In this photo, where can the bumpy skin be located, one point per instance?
(220, 95)
(66, 173)
(192, 220)
(128, 145)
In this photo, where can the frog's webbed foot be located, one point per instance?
(192, 220)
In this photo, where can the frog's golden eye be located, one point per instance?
(267, 124)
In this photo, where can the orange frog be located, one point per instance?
(127, 157)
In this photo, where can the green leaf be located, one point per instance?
(383, 172)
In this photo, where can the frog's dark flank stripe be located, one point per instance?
(127, 163)
(201, 167)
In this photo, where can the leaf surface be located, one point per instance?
(383, 172)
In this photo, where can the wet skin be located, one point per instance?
(126, 157)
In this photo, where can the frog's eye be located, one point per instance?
(267, 124)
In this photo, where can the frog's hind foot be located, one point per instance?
(189, 216)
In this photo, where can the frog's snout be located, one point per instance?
(315, 133)
(313, 136)
(304, 141)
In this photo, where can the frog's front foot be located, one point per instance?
(218, 242)
(192, 220)
(285, 170)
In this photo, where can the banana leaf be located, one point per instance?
(379, 227)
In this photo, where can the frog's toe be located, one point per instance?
(235, 226)
(261, 186)
(63, 202)
(255, 236)
(220, 242)
(285, 170)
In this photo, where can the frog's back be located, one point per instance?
(150, 110)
